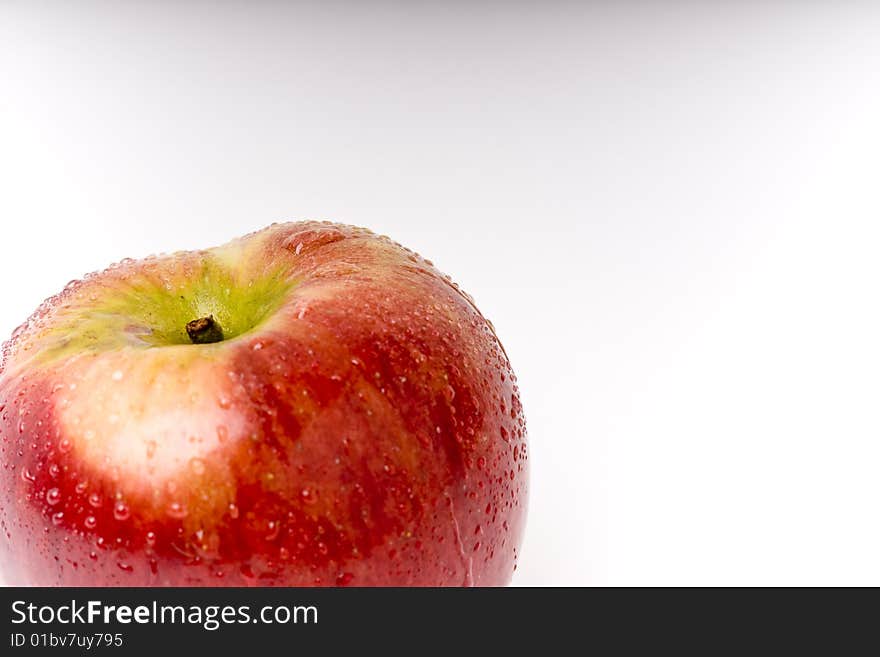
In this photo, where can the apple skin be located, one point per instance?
(361, 424)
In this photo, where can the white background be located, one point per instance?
(669, 211)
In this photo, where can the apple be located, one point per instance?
(311, 404)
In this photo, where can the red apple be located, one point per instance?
(311, 404)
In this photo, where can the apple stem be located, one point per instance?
(204, 330)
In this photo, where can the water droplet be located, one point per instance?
(151, 538)
(95, 500)
(121, 511)
(64, 445)
(28, 476)
(233, 511)
(58, 518)
(223, 402)
(176, 510)
(127, 568)
(222, 433)
(53, 496)
(90, 522)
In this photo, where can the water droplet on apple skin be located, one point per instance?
(176, 510)
(121, 511)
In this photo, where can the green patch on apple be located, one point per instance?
(145, 311)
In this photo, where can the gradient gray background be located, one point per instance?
(669, 211)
